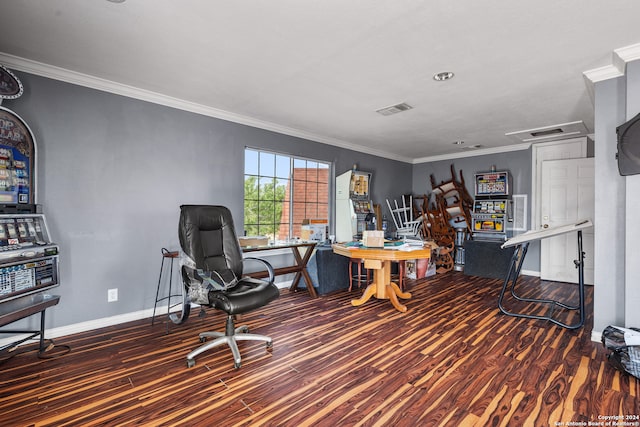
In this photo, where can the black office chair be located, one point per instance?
(208, 239)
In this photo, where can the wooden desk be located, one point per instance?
(300, 266)
(379, 260)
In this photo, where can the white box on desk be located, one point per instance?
(313, 230)
(246, 241)
(373, 238)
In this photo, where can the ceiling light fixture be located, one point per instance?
(116, 1)
(458, 142)
(445, 75)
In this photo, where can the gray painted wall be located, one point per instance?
(518, 163)
(609, 216)
(632, 267)
(615, 223)
(113, 171)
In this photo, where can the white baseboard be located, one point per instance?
(530, 273)
(286, 284)
(89, 325)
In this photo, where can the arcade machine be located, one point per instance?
(490, 206)
(353, 204)
(483, 255)
(28, 257)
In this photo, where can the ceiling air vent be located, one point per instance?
(393, 109)
(471, 147)
(550, 133)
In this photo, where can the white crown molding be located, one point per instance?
(618, 67)
(619, 60)
(628, 53)
(603, 73)
(85, 80)
(473, 153)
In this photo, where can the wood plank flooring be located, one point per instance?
(451, 360)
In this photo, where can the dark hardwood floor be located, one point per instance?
(451, 360)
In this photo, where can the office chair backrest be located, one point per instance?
(207, 236)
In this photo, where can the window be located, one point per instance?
(280, 191)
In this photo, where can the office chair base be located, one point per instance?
(239, 334)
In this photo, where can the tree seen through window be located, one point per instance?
(280, 191)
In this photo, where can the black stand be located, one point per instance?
(517, 260)
(177, 319)
(20, 308)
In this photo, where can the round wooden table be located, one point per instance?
(379, 260)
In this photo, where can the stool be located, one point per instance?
(166, 254)
(360, 276)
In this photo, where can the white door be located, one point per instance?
(567, 196)
(575, 148)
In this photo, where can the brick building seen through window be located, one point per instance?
(281, 191)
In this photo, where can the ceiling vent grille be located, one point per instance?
(550, 133)
(394, 109)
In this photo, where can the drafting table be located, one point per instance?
(521, 242)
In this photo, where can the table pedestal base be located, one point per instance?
(382, 286)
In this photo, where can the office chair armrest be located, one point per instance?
(267, 265)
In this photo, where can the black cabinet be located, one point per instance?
(486, 259)
(329, 271)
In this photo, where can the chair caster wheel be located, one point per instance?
(203, 339)
(191, 363)
(236, 365)
(270, 346)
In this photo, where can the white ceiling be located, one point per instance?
(319, 69)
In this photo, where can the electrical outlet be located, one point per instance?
(112, 295)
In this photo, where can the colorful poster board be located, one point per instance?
(17, 160)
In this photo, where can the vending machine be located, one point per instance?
(353, 204)
(490, 206)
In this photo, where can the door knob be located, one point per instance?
(545, 226)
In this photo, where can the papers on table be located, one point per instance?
(407, 247)
(396, 245)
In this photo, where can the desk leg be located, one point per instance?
(366, 296)
(398, 291)
(393, 291)
(301, 262)
(394, 299)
